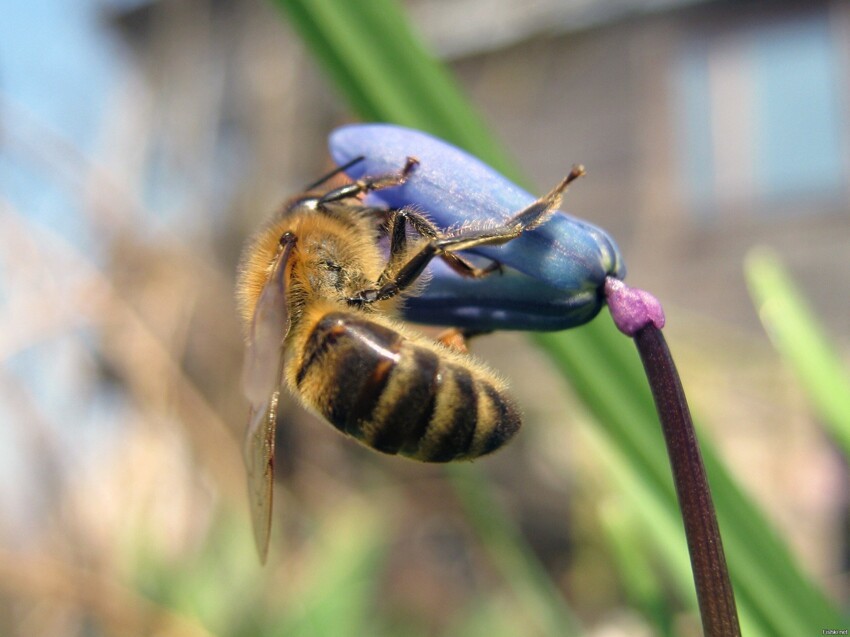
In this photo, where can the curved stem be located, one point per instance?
(714, 589)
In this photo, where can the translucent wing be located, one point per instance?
(259, 460)
(261, 378)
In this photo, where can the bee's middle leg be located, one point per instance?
(393, 281)
(398, 222)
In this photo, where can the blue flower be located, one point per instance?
(553, 277)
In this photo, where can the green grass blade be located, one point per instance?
(371, 52)
(801, 341)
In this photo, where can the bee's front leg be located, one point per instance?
(370, 184)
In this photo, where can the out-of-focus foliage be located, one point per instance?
(123, 508)
(795, 331)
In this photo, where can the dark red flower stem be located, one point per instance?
(711, 577)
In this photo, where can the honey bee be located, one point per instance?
(320, 302)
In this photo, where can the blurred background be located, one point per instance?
(141, 143)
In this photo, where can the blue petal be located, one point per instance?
(453, 187)
(554, 275)
(506, 301)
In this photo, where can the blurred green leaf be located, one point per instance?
(372, 54)
(802, 342)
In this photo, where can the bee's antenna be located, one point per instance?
(335, 172)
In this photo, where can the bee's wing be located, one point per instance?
(259, 460)
(261, 379)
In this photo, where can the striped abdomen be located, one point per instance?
(399, 396)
